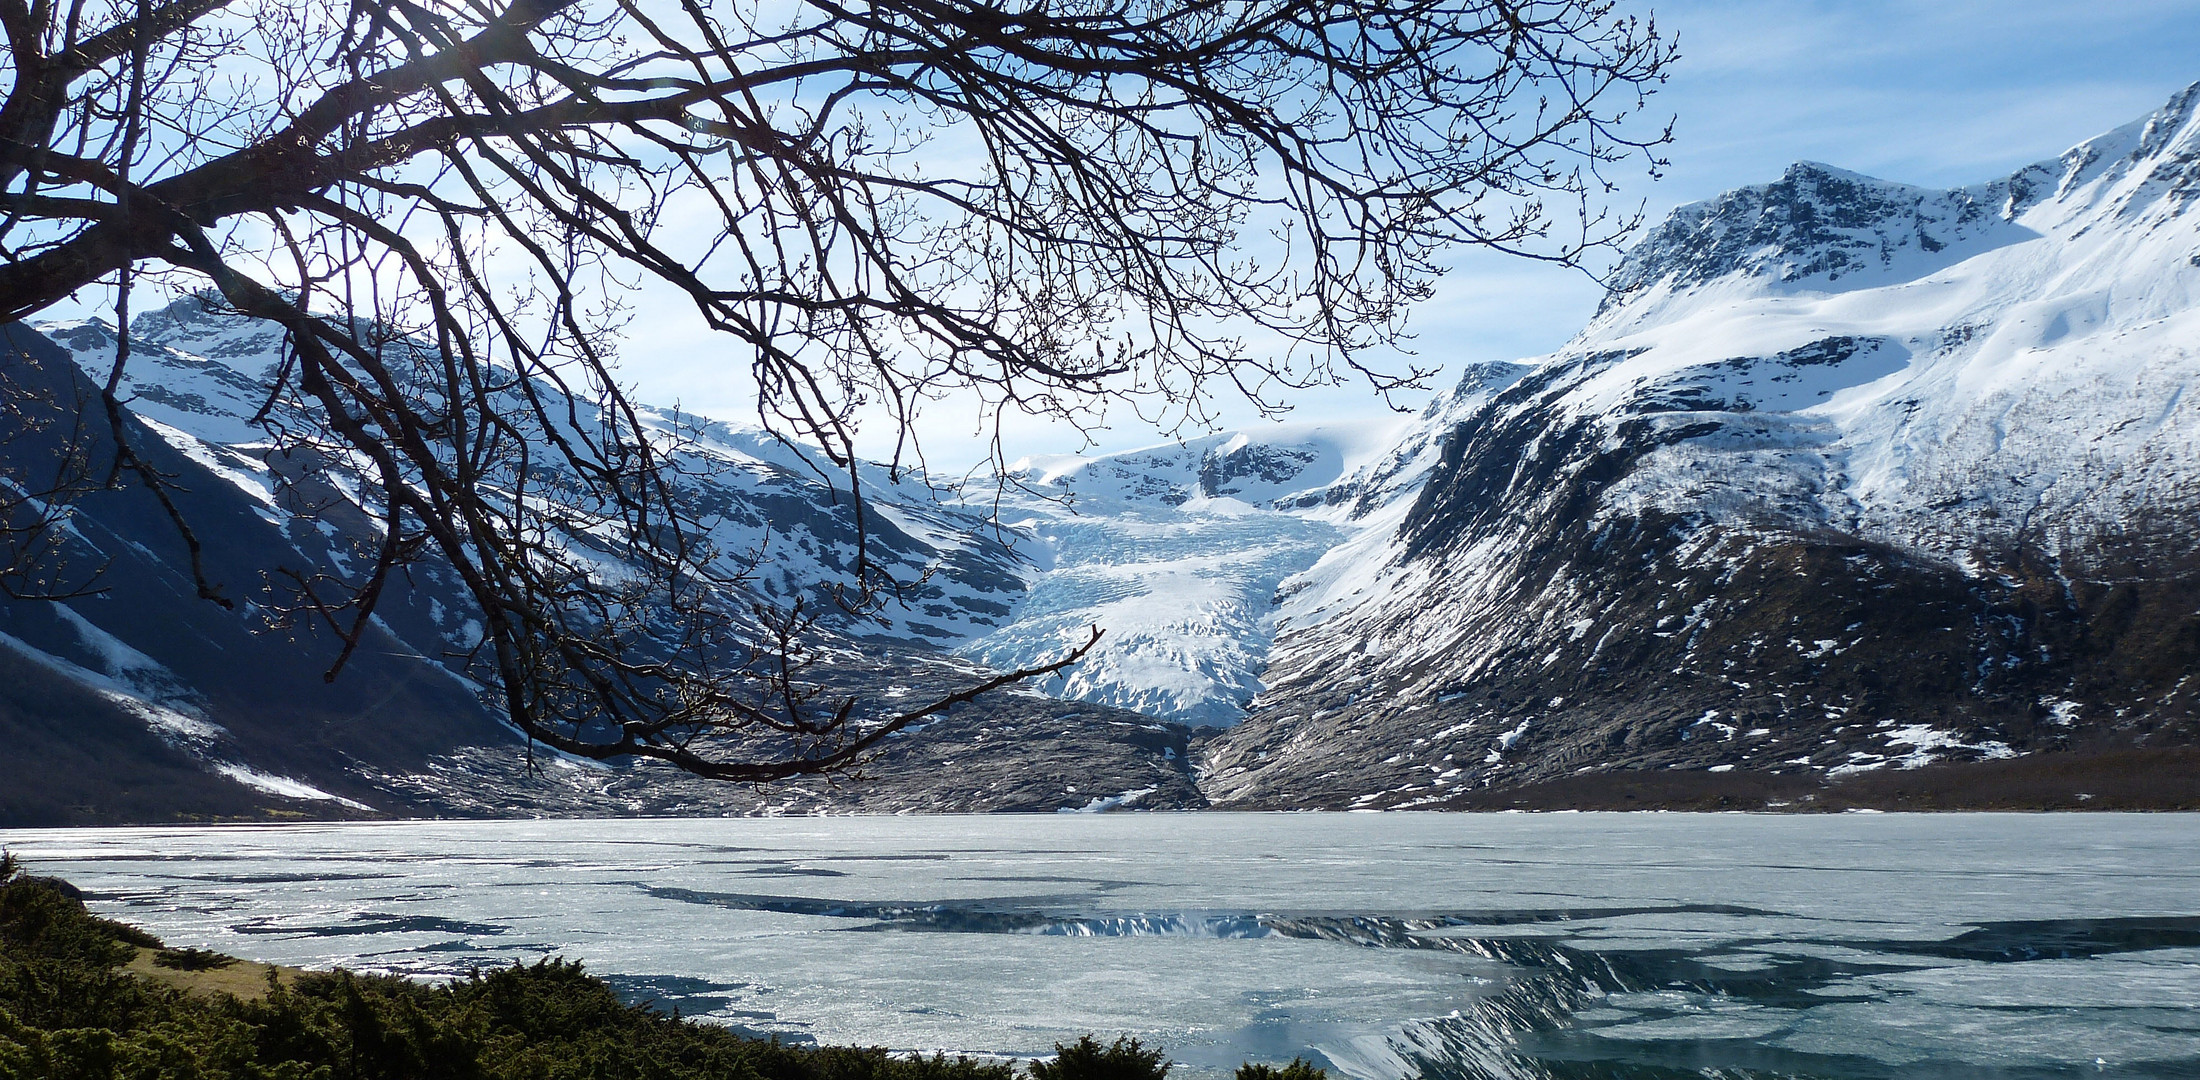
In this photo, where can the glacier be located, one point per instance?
(1846, 477)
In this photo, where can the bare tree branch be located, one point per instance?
(1053, 207)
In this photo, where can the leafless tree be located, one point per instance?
(1050, 204)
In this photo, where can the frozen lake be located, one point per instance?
(1387, 946)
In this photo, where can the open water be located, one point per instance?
(1383, 946)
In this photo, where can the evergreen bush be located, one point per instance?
(1298, 1069)
(1086, 1059)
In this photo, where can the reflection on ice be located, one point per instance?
(1976, 947)
(951, 918)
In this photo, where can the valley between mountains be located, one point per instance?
(1852, 494)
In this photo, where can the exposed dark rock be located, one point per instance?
(139, 701)
(1622, 643)
(1661, 578)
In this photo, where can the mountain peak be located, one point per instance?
(1817, 227)
(1821, 228)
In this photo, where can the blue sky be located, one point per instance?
(1935, 93)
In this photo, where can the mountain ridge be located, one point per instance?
(225, 707)
(1674, 543)
(1848, 482)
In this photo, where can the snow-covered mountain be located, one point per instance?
(1845, 476)
(226, 710)
(778, 517)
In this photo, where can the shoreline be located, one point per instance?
(64, 1011)
(2119, 781)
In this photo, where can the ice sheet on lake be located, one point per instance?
(1389, 947)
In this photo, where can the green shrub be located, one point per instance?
(39, 922)
(1086, 1059)
(1299, 1069)
(191, 959)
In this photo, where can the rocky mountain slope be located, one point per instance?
(1847, 476)
(135, 699)
(1847, 481)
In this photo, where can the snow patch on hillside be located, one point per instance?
(2003, 366)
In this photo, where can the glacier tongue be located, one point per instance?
(1176, 551)
(1182, 552)
(1184, 597)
